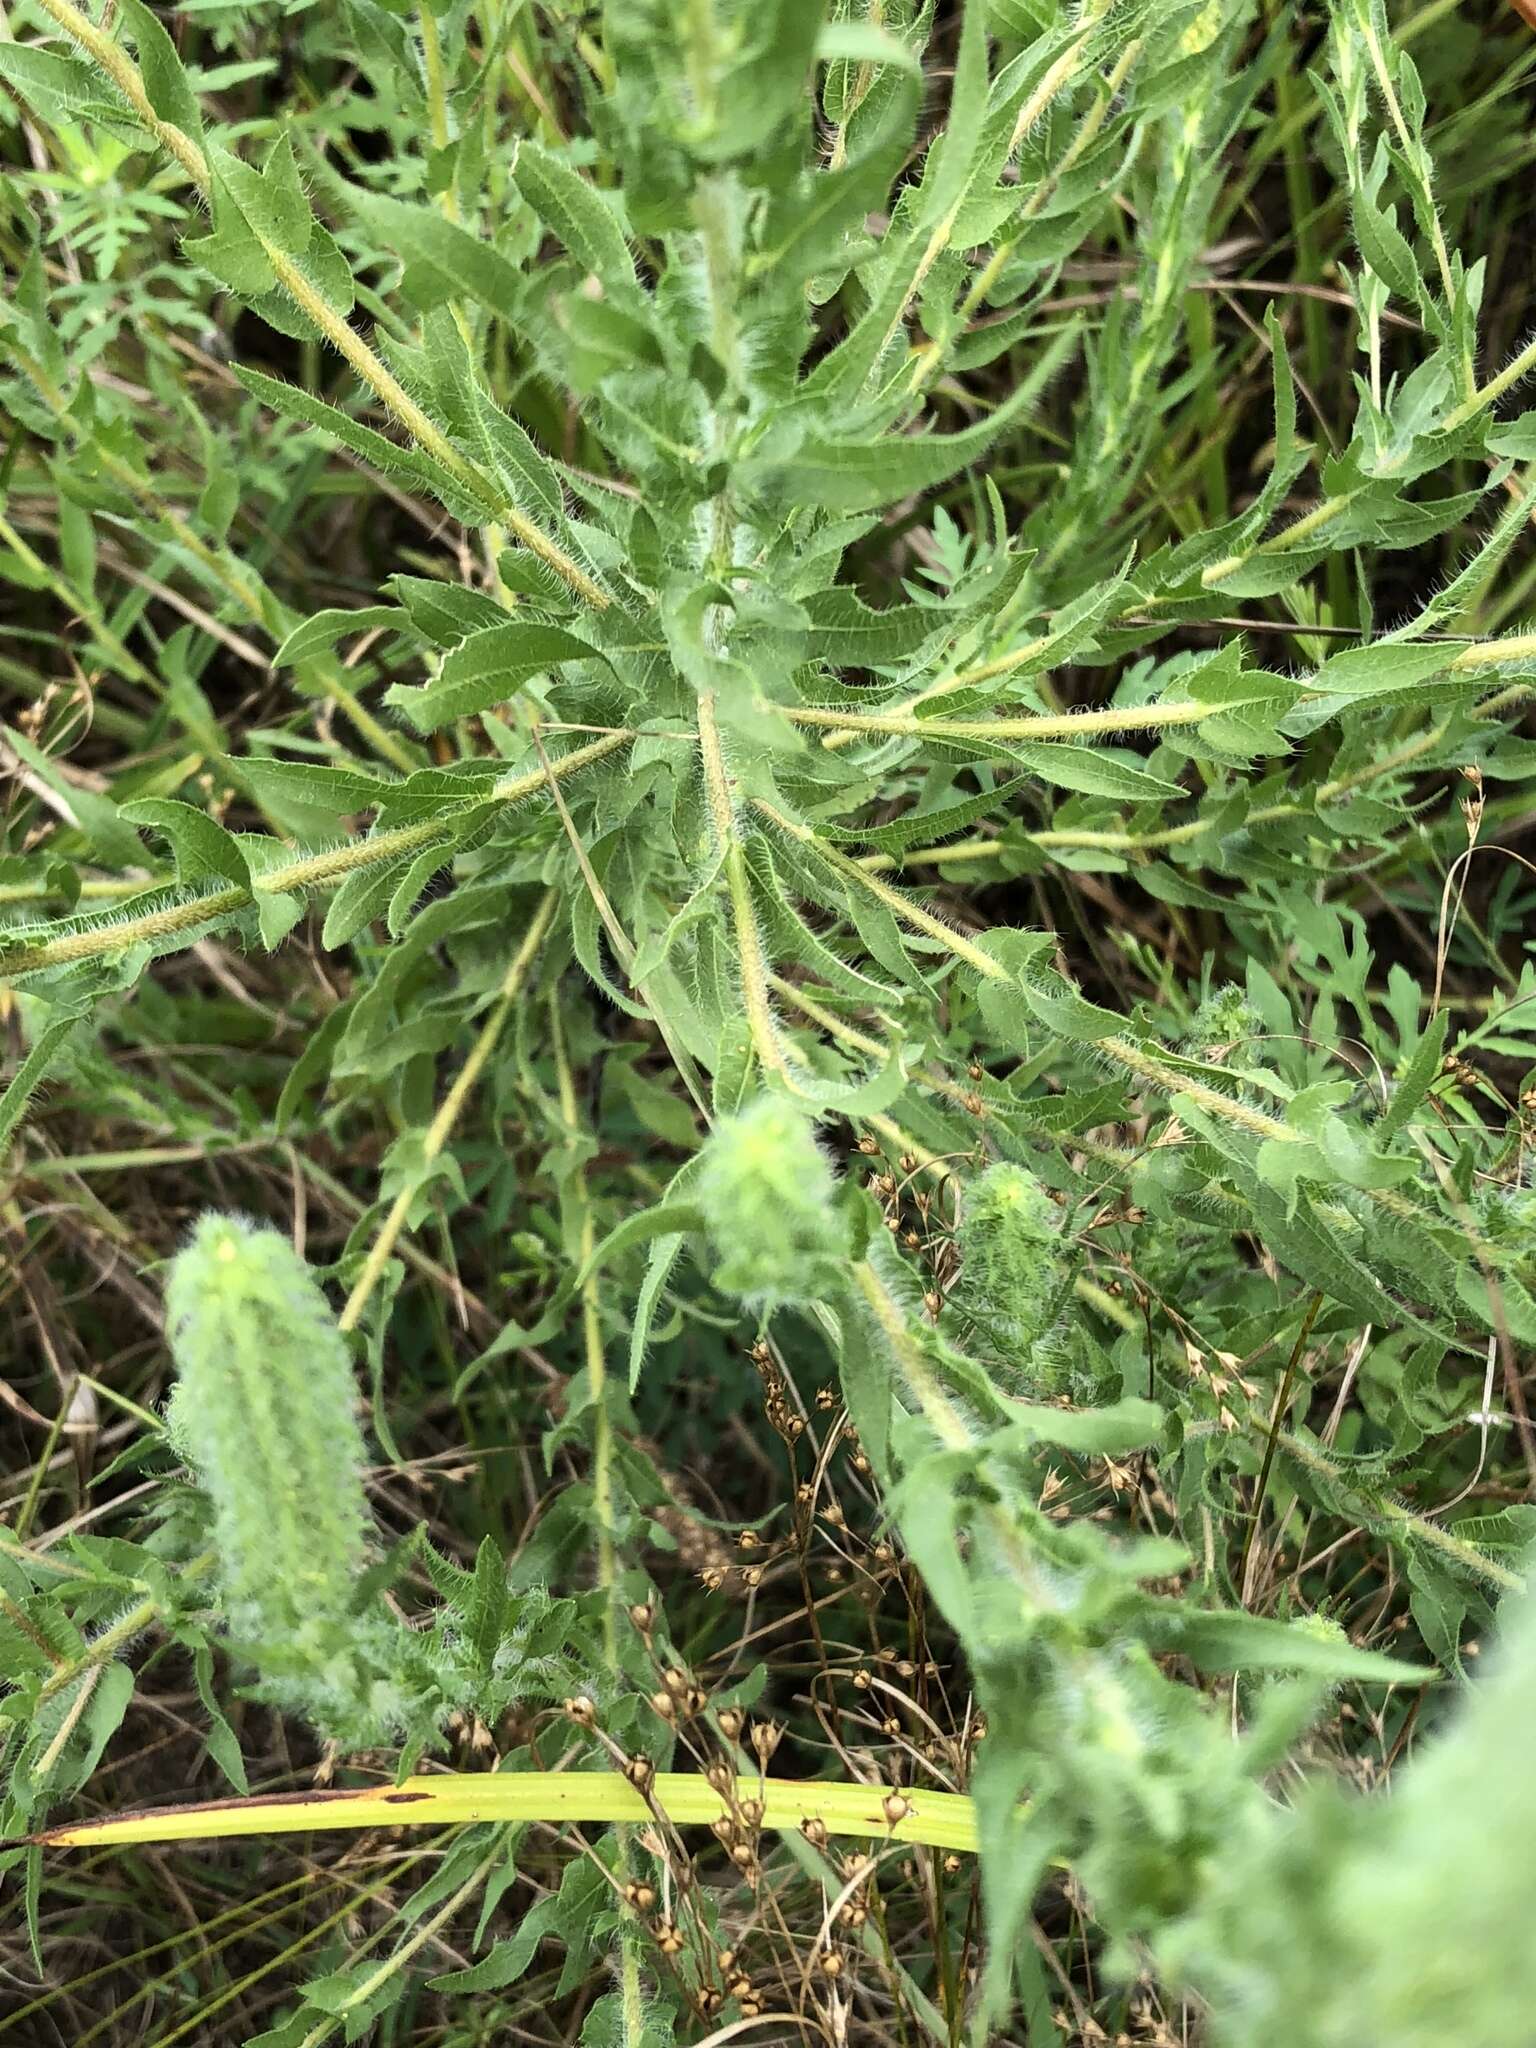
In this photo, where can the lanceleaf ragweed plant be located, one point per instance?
(709, 679)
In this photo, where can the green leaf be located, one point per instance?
(202, 848)
(486, 669)
(849, 475)
(321, 632)
(582, 217)
(1254, 1642)
(166, 84)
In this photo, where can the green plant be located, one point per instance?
(806, 722)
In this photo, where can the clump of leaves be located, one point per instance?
(708, 684)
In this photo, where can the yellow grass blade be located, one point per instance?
(939, 1820)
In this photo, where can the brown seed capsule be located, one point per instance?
(862, 1680)
(860, 1463)
(723, 1828)
(696, 1701)
(749, 1539)
(663, 1703)
(742, 1856)
(643, 1615)
(726, 1960)
(895, 1808)
(641, 1773)
(676, 1681)
(853, 1914)
(833, 1513)
(752, 1577)
(712, 1578)
(720, 1777)
(933, 1301)
(912, 1239)
(751, 2008)
(831, 1964)
(668, 1940)
(951, 1864)
(979, 1728)
(641, 1896)
(884, 1554)
(730, 1723)
(766, 1736)
(709, 2001)
(581, 1711)
(826, 1399)
(974, 1071)
(740, 1987)
(751, 1811)
(908, 1162)
(890, 1726)
(869, 1145)
(814, 1830)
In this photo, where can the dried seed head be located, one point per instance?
(895, 1808)
(662, 1703)
(742, 1856)
(731, 1723)
(643, 1615)
(676, 1682)
(668, 1940)
(951, 1864)
(831, 1964)
(752, 1577)
(862, 1680)
(641, 1773)
(581, 1710)
(766, 1736)
(814, 1830)
(751, 1811)
(720, 1777)
(641, 1896)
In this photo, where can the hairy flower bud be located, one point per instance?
(767, 1192)
(264, 1410)
(1010, 1244)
